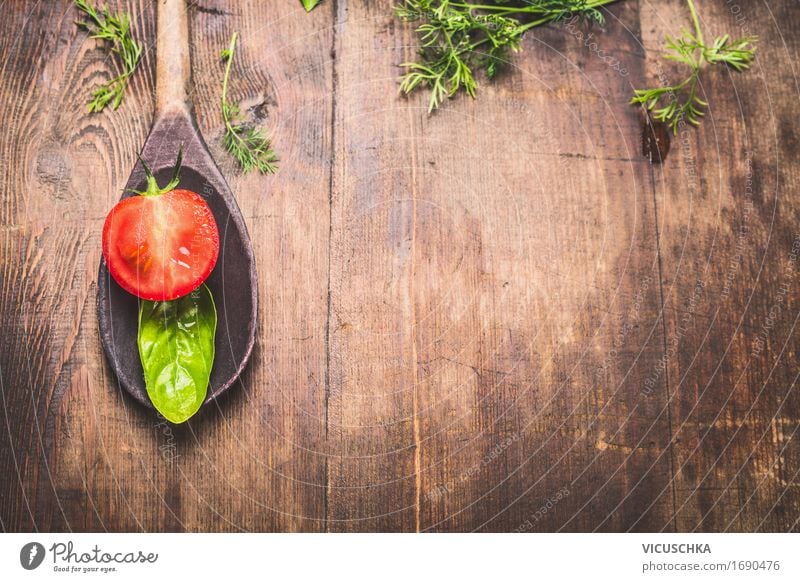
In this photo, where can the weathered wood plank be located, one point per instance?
(63, 170)
(461, 314)
(730, 242)
(89, 458)
(537, 308)
(266, 450)
(372, 384)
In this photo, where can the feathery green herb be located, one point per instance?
(309, 5)
(459, 37)
(682, 102)
(246, 143)
(116, 29)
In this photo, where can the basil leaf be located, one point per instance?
(309, 5)
(176, 346)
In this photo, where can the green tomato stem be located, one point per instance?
(153, 188)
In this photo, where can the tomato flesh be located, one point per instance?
(161, 247)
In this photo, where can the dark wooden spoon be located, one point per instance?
(233, 281)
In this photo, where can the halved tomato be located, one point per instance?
(161, 244)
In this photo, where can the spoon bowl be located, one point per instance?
(233, 282)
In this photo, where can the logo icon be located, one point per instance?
(31, 555)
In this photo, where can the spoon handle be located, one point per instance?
(173, 71)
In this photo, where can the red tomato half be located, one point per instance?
(161, 247)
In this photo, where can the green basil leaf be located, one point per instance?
(309, 5)
(176, 346)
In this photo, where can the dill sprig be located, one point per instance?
(682, 102)
(460, 36)
(246, 143)
(116, 29)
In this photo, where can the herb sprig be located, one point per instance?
(246, 143)
(116, 29)
(460, 36)
(682, 102)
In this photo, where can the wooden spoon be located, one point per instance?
(233, 281)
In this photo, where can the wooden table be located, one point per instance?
(497, 317)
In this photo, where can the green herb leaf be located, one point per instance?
(176, 346)
(246, 143)
(460, 37)
(309, 5)
(116, 30)
(681, 103)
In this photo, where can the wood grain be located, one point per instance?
(65, 422)
(373, 426)
(499, 317)
(729, 232)
(530, 348)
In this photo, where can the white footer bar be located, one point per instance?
(381, 557)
